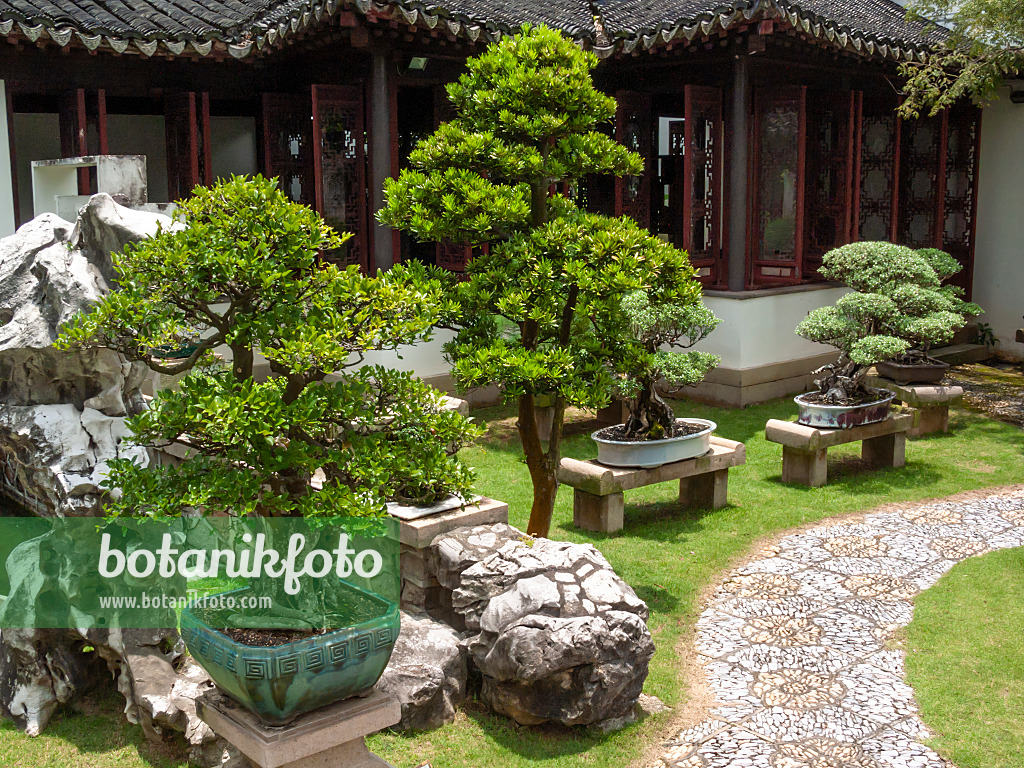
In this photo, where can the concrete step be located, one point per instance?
(959, 354)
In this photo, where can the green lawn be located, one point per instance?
(965, 661)
(667, 554)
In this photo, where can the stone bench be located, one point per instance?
(931, 400)
(805, 449)
(598, 502)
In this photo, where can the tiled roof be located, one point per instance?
(247, 26)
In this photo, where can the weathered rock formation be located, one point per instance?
(62, 414)
(426, 673)
(555, 634)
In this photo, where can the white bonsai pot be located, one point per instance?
(653, 453)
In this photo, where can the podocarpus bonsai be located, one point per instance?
(528, 123)
(898, 307)
(653, 326)
(245, 273)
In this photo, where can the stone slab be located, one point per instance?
(919, 395)
(805, 438)
(447, 504)
(316, 739)
(419, 533)
(600, 480)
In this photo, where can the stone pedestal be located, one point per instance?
(332, 737)
(805, 449)
(616, 413)
(931, 400)
(598, 501)
(420, 590)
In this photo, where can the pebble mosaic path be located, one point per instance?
(794, 643)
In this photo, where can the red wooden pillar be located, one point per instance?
(187, 132)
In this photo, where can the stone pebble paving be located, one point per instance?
(794, 643)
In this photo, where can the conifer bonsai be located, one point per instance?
(898, 309)
(244, 272)
(541, 299)
(654, 326)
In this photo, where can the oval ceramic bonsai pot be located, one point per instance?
(647, 454)
(844, 416)
(923, 373)
(279, 683)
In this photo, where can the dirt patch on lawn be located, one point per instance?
(995, 388)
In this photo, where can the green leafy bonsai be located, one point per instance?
(654, 326)
(244, 273)
(545, 293)
(898, 308)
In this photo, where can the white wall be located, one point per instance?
(999, 245)
(760, 331)
(233, 146)
(36, 137)
(7, 177)
(142, 135)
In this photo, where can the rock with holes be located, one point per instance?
(555, 634)
(427, 673)
(62, 413)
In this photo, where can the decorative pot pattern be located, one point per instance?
(844, 416)
(653, 453)
(278, 683)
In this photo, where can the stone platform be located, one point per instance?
(931, 400)
(599, 503)
(420, 590)
(331, 737)
(805, 449)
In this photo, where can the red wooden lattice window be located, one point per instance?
(920, 181)
(960, 200)
(829, 195)
(288, 145)
(702, 181)
(187, 132)
(878, 170)
(777, 210)
(339, 165)
(634, 129)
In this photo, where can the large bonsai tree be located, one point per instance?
(244, 273)
(656, 328)
(540, 298)
(898, 308)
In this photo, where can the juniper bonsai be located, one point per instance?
(540, 298)
(898, 308)
(653, 326)
(242, 270)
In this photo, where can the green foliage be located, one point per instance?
(898, 308)
(985, 45)
(540, 310)
(241, 269)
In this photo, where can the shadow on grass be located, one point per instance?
(92, 732)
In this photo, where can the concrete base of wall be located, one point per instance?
(736, 388)
(477, 398)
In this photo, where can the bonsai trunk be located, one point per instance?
(650, 417)
(542, 466)
(842, 381)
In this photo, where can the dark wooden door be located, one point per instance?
(187, 132)
(702, 184)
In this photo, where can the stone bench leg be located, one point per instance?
(707, 491)
(805, 467)
(933, 419)
(885, 450)
(603, 514)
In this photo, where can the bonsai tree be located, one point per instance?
(243, 272)
(898, 308)
(654, 326)
(541, 298)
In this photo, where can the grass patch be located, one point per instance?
(668, 555)
(965, 661)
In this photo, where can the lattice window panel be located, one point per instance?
(877, 169)
(288, 145)
(827, 200)
(959, 198)
(703, 174)
(634, 129)
(919, 179)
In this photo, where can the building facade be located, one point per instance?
(767, 129)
